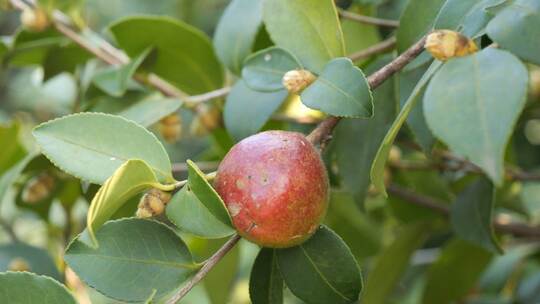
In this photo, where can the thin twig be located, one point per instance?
(516, 229)
(378, 48)
(208, 265)
(322, 132)
(368, 20)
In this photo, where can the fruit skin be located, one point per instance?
(275, 187)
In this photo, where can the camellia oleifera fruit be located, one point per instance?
(275, 187)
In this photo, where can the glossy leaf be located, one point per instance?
(392, 262)
(264, 70)
(114, 80)
(246, 111)
(309, 29)
(150, 110)
(37, 259)
(131, 178)
(91, 146)
(475, 21)
(185, 56)
(340, 90)
(28, 288)
(476, 120)
(198, 209)
(321, 270)
(198, 183)
(377, 168)
(471, 215)
(265, 283)
(236, 32)
(455, 272)
(517, 29)
(355, 141)
(191, 215)
(136, 258)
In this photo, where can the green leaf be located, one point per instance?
(452, 13)
(475, 22)
(246, 111)
(416, 120)
(92, 146)
(28, 288)
(321, 270)
(64, 58)
(38, 260)
(131, 178)
(12, 150)
(236, 32)
(135, 259)
(517, 29)
(477, 119)
(265, 282)
(356, 141)
(198, 209)
(359, 36)
(471, 215)
(264, 70)
(114, 80)
(416, 21)
(455, 272)
(198, 183)
(185, 56)
(377, 168)
(392, 262)
(31, 48)
(340, 90)
(309, 29)
(150, 110)
(351, 224)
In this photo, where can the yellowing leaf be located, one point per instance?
(133, 177)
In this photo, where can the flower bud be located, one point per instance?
(446, 44)
(170, 128)
(38, 188)
(35, 20)
(297, 80)
(153, 203)
(18, 264)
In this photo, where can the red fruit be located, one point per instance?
(275, 186)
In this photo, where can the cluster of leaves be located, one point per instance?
(106, 154)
